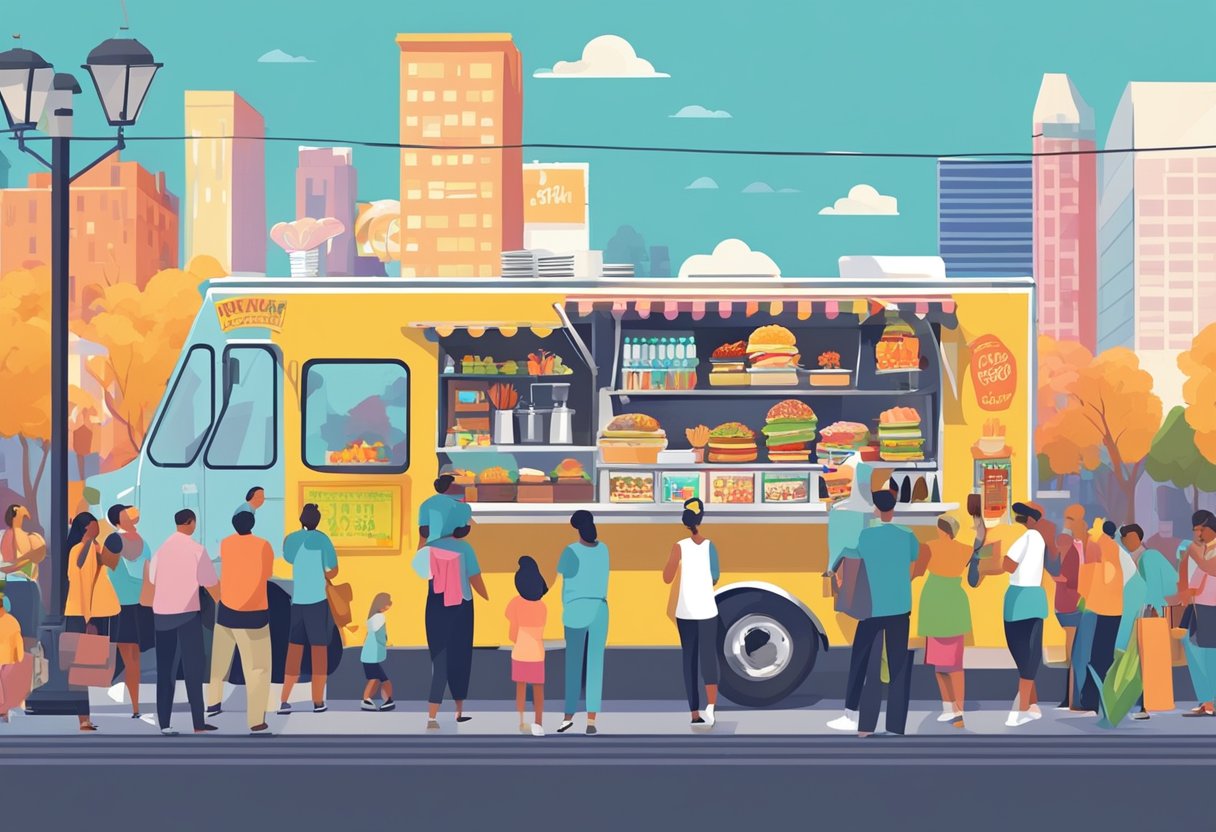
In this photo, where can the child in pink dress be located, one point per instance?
(527, 614)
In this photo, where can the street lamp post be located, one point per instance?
(122, 70)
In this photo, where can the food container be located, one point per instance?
(631, 487)
(676, 488)
(504, 427)
(731, 379)
(732, 488)
(831, 378)
(573, 491)
(536, 492)
(495, 492)
(630, 454)
(683, 456)
(779, 377)
(785, 488)
(531, 426)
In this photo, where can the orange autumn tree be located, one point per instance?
(142, 333)
(1199, 390)
(1111, 412)
(25, 373)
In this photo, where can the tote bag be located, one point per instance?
(854, 599)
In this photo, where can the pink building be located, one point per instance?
(1065, 214)
(327, 186)
(1157, 272)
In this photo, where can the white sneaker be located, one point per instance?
(1017, 719)
(538, 730)
(949, 716)
(708, 716)
(848, 722)
(169, 732)
(1034, 712)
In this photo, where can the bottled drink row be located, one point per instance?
(659, 361)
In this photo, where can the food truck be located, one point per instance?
(624, 397)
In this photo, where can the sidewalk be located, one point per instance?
(620, 717)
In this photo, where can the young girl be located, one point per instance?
(526, 613)
(375, 651)
(696, 559)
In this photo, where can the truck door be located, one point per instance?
(246, 447)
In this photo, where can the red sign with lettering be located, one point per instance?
(994, 372)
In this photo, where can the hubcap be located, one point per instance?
(758, 647)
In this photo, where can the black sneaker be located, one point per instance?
(387, 705)
(698, 721)
(319, 707)
(215, 710)
(284, 709)
(591, 730)
(368, 705)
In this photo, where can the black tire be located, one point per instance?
(804, 640)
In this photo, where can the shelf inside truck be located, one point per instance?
(644, 513)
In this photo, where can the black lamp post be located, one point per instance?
(122, 70)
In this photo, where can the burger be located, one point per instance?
(632, 438)
(789, 427)
(772, 346)
(899, 435)
(841, 439)
(732, 442)
(728, 365)
(569, 469)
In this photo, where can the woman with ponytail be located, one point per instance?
(695, 559)
(583, 567)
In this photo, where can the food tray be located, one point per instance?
(577, 491)
(492, 493)
(630, 455)
(536, 492)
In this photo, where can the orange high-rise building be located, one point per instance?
(123, 228)
(460, 207)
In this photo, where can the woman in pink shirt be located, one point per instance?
(527, 615)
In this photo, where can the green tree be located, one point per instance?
(1175, 458)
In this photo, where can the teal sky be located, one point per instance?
(934, 76)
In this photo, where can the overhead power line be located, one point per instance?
(1008, 155)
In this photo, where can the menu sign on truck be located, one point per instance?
(994, 373)
(359, 519)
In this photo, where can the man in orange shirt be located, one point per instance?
(242, 621)
(1102, 588)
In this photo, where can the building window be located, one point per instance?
(247, 433)
(430, 70)
(413, 193)
(188, 413)
(487, 246)
(468, 220)
(449, 96)
(466, 158)
(410, 159)
(411, 69)
(447, 244)
(487, 138)
(487, 122)
(450, 120)
(89, 227)
(487, 220)
(472, 96)
(468, 119)
(436, 221)
(428, 96)
(33, 211)
(115, 176)
(33, 245)
(411, 121)
(487, 96)
(481, 70)
(411, 95)
(413, 221)
(356, 416)
(436, 159)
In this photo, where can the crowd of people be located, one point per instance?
(141, 599)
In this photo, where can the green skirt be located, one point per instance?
(944, 608)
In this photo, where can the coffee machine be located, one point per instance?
(553, 397)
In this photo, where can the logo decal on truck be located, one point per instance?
(994, 372)
(243, 312)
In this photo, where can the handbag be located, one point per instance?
(853, 598)
(339, 597)
(89, 659)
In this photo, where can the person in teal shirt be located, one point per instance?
(1155, 580)
(439, 514)
(134, 630)
(584, 569)
(255, 498)
(374, 654)
(314, 562)
(889, 552)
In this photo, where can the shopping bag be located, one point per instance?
(1177, 633)
(853, 599)
(1121, 687)
(15, 683)
(92, 662)
(1156, 669)
(41, 667)
(339, 597)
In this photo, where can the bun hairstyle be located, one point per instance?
(694, 514)
(529, 583)
(443, 483)
(584, 521)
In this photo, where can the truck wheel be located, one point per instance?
(768, 647)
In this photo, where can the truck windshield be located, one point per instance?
(246, 435)
(188, 413)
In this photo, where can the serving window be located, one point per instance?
(356, 416)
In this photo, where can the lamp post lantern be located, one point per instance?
(122, 70)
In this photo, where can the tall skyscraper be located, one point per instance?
(460, 208)
(1157, 227)
(225, 210)
(123, 228)
(1065, 213)
(984, 222)
(327, 186)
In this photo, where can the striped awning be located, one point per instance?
(801, 308)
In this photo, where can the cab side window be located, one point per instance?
(246, 435)
(188, 413)
(356, 416)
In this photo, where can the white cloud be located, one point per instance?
(864, 200)
(730, 257)
(607, 56)
(697, 111)
(278, 56)
(702, 183)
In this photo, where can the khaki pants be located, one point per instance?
(254, 647)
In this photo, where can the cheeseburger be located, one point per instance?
(789, 427)
(732, 442)
(772, 346)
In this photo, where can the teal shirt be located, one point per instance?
(439, 515)
(468, 561)
(584, 571)
(888, 552)
(1160, 579)
(244, 507)
(311, 554)
(844, 530)
(128, 576)
(375, 645)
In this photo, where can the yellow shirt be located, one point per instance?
(1102, 580)
(947, 558)
(12, 647)
(90, 595)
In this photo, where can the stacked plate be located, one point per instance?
(618, 270)
(520, 264)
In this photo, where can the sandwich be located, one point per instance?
(789, 427)
(732, 442)
(899, 435)
(772, 347)
(634, 429)
(531, 476)
(728, 365)
(568, 470)
(841, 439)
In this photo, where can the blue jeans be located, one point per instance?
(586, 643)
(1201, 663)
